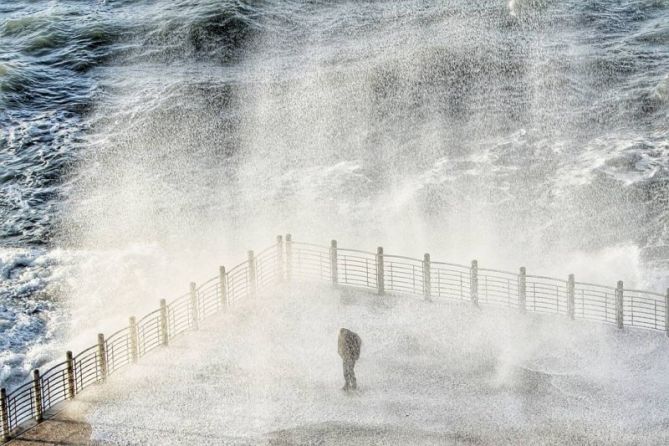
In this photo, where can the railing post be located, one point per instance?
(252, 274)
(289, 257)
(522, 290)
(427, 277)
(333, 263)
(102, 354)
(193, 305)
(71, 390)
(279, 257)
(571, 297)
(133, 339)
(474, 283)
(666, 312)
(164, 335)
(379, 271)
(4, 413)
(37, 390)
(619, 304)
(223, 279)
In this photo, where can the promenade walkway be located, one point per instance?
(67, 427)
(430, 373)
(419, 297)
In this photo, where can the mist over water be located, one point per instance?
(144, 144)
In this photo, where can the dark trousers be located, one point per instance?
(349, 374)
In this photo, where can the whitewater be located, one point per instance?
(143, 144)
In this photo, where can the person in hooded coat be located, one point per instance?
(349, 350)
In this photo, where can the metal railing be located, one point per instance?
(287, 260)
(65, 380)
(390, 273)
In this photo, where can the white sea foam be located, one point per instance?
(30, 316)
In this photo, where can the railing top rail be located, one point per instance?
(20, 389)
(534, 276)
(313, 245)
(52, 368)
(608, 287)
(237, 267)
(394, 256)
(644, 292)
(266, 250)
(490, 270)
(207, 282)
(116, 333)
(173, 301)
(86, 350)
(360, 251)
(457, 265)
(148, 315)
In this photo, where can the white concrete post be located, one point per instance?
(223, 283)
(619, 304)
(279, 258)
(37, 390)
(334, 272)
(474, 283)
(71, 390)
(4, 413)
(252, 274)
(194, 306)
(164, 335)
(289, 257)
(427, 277)
(102, 356)
(666, 312)
(571, 297)
(379, 271)
(133, 339)
(522, 290)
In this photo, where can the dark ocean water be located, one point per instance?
(522, 128)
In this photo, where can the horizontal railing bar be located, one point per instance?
(498, 271)
(237, 268)
(532, 276)
(625, 290)
(314, 251)
(358, 270)
(273, 248)
(391, 267)
(595, 285)
(309, 244)
(399, 284)
(395, 256)
(313, 268)
(87, 350)
(209, 285)
(358, 263)
(46, 374)
(406, 283)
(154, 313)
(404, 275)
(494, 282)
(174, 301)
(457, 265)
(116, 333)
(344, 250)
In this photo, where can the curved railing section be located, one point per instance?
(342, 267)
(397, 274)
(30, 402)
